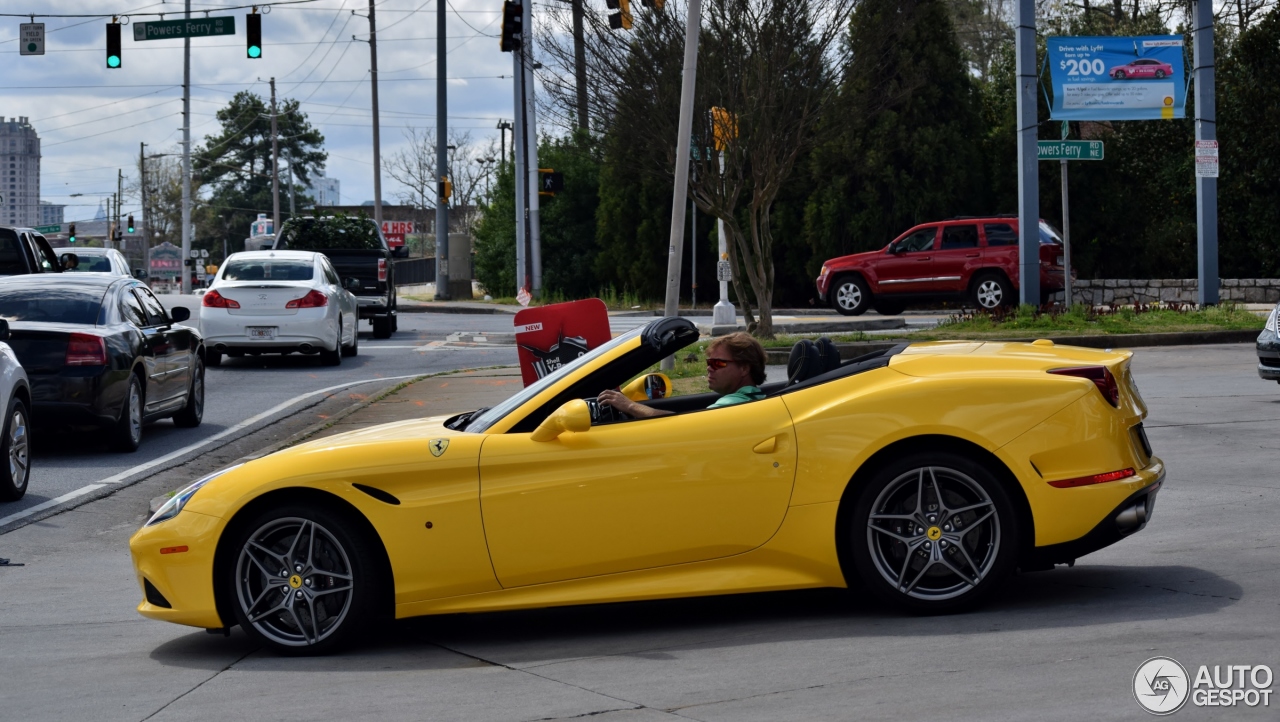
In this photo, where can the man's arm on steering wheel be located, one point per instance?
(615, 399)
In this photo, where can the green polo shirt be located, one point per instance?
(741, 396)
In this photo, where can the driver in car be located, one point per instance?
(735, 369)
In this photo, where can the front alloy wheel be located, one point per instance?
(850, 296)
(934, 536)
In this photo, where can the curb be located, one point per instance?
(1124, 340)
(464, 310)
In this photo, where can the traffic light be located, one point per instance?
(253, 33)
(512, 26)
(71, 236)
(446, 189)
(620, 20)
(130, 226)
(113, 45)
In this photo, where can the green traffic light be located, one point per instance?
(113, 61)
(255, 51)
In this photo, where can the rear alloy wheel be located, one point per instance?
(302, 582)
(934, 533)
(1159, 75)
(849, 296)
(193, 413)
(334, 357)
(16, 448)
(991, 292)
(127, 433)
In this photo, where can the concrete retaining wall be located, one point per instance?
(1123, 291)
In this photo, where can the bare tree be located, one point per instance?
(416, 171)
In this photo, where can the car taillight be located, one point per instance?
(382, 270)
(213, 299)
(1101, 376)
(1095, 479)
(313, 299)
(86, 350)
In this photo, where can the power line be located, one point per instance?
(142, 14)
(245, 83)
(95, 107)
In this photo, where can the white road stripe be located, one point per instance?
(117, 478)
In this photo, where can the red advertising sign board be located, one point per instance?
(395, 231)
(549, 337)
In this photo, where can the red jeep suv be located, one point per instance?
(974, 259)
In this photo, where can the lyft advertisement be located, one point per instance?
(1117, 78)
(548, 337)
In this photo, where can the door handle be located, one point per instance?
(924, 258)
(767, 446)
(971, 255)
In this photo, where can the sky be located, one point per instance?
(91, 119)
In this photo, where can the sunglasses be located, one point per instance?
(717, 363)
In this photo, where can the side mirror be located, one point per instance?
(4, 330)
(573, 416)
(893, 250)
(352, 284)
(648, 387)
(137, 273)
(180, 314)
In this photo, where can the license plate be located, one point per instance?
(262, 332)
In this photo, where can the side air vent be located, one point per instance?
(378, 494)
(153, 595)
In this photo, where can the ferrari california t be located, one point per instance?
(929, 472)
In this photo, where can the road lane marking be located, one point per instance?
(117, 478)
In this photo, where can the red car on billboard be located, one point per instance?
(973, 259)
(1142, 68)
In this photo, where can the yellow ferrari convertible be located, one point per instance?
(925, 474)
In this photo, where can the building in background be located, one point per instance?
(19, 173)
(326, 191)
(51, 214)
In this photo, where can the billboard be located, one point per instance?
(549, 337)
(395, 231)
(1117, 78)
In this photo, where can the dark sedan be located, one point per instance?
(101, 350)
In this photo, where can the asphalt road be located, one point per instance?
(1200, 585)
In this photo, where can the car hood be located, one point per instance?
(855, 259)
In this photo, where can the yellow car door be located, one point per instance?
(636, 495)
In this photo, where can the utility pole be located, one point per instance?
(1028, 156)
(142, 189)
(531, 152)
(292, 212)
(580, 64)
(186, 156)
(503, 127)
(522, 190)
(119, 197)
(675, 251)
(1206, 131)
(275, 165)
(442, 159)
(377, 142)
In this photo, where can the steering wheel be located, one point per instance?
(603, 414)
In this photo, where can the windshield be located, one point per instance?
(269, 269)
(493, 415)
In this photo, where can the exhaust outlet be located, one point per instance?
(1133, 516)
(307, 348)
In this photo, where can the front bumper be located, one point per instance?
(1268, 356)
(181, 579)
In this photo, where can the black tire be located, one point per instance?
(320, 616)
(126, 434)
(382, 326)
(334, 357)
(193, 413)
(889, 308)
(850, 296)
(15, 450)
(212, 359)
(1159, 75)
(1120, 75)
(927, 556)
(354, 348)
(990, 291)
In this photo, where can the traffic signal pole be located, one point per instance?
(377, 141)
(186, 156)
(1028, 156)
(675, 251)
(531, 154)
(275, 164)
(522, 181)
(442, 158)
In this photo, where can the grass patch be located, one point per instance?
(1028, 320)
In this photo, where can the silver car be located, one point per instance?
(279, 302)
(1269, 348)
(15, 432)
(93, 260)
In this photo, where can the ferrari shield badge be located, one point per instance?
(438, 446)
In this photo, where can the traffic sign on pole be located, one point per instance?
(1069, 149)
(31, 39)
(192, 28)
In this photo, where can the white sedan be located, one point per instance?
(15, 428)
(278, 302)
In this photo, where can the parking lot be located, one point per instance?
(1199, 585)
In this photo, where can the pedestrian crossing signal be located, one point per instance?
(512, 26)
(549, 182)
(620, 20)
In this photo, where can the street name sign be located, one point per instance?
(31, 38)
(192, 28)
(55, 228)
(1069, 149)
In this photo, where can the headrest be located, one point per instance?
(829, 353)
(804, 362)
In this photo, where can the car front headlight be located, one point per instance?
(1271, 320)
(174, 505)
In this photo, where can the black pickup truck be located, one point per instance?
(358, 250)
(25, 250)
